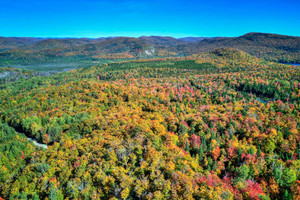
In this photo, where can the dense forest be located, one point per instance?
(218, 125)
(272, 47)
(28, 51)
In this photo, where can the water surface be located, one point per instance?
(295, 64)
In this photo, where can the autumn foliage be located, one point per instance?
(207, 127)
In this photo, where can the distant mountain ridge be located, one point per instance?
(195, 39)
(272, 47)
(15, 42)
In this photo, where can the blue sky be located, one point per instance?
(178, 18)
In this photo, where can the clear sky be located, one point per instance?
(178, 18)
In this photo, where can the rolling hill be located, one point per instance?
(159, 40)
(195, 39)
(272, 47)
(16, 42)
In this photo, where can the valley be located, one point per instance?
(271, 47)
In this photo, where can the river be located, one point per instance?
(262, 101)
(291, 64)
(44, 146)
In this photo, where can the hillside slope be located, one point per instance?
(269, 46)
(7, 43)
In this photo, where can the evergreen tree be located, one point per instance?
(251, 170)
(187, 147)
(251, 150)
(35, 197)
(239, 155)
(215, 165)
(258, 152)
(200, 153)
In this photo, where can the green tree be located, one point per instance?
(187, 146)
(243, 172)
(200, 153)
(288, 177)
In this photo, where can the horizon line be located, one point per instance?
(151, 35)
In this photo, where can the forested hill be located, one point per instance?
(7, 43)
(271, 47)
